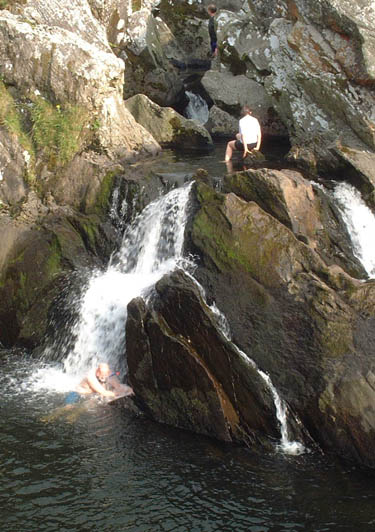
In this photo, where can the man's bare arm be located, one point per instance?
(97, 387)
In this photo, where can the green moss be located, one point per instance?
(6, 4)
(136, 5)
(57, 130)
(104, 194)
(12, 119)
(23, 288)
(176, 13)
(90, 230)
(53, 265)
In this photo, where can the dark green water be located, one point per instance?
(108, 470)
(100, 468)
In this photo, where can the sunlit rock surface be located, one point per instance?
(166, 125)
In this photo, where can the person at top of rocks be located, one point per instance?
(212, 10)
(249, 136)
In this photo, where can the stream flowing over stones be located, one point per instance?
(238, 301)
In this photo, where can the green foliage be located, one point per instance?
(136, 5)
(57, 131)
(11, 118)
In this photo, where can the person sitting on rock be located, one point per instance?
(249, 136)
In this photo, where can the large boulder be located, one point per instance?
(230, 93)
(34, 59)
(220, 123)
(167, 126)
(321, 77)
(147, 47)
(298, 318)
(187, 374)
(304, 208)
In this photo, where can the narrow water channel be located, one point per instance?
(102, 467)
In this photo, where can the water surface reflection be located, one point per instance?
(110, 470)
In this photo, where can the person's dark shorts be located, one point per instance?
(239, 145)
(213, 47)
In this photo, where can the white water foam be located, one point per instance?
(197, 108)
(360, 222)
(151, 247)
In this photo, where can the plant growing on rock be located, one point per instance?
(57, 131)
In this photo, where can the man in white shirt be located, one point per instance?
(249, 137)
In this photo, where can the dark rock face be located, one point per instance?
(187, 374)
(301, 320)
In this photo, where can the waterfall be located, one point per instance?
(360, 222)
(150, 248)
(197, 108)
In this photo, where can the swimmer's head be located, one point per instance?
(103, 372)
(211, 9)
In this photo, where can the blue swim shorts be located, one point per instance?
(71, 398)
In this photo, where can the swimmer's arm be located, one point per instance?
(97, 387)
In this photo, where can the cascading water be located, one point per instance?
(197, 108)
(286, 445)
(360, 222)
(152, 246)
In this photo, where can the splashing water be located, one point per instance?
(197, 108)
(360, 222)
(151, 247)
(286, 445)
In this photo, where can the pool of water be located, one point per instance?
(101, 467)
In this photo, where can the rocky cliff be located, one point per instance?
(275, 267)
(271, 248)
(64, 130)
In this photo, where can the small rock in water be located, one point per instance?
(202, 175)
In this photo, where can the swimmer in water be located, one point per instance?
(96, 381)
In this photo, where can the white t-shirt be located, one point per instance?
(249, 129)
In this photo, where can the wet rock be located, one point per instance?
(297, 318)
(166, 125)
(303, 208)
(184, 371)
